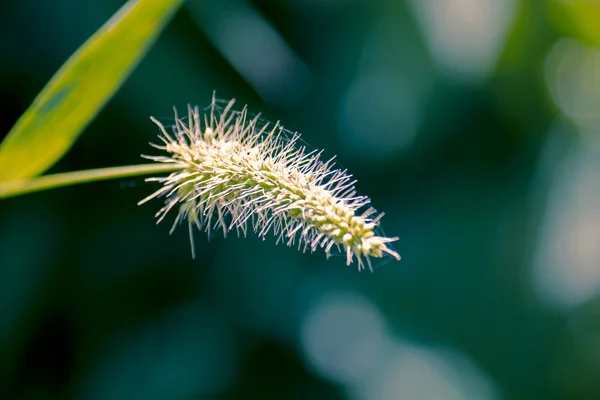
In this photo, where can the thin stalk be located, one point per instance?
(15, 188)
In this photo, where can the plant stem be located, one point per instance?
(15, 188)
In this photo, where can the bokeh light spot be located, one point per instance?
(567, 265)
(343, 337)
(573, 77)
(465, 36)
(419, 373)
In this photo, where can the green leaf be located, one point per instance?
(80, 88)
(577, 18)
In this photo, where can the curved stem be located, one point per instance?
(15, 188)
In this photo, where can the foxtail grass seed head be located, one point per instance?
(239, 172)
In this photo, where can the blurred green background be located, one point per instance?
(473, 124)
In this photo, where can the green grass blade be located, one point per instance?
(20, 187)
(77, 92)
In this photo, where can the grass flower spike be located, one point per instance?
(240, 172)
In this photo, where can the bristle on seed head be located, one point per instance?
(239, 172)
